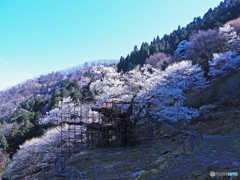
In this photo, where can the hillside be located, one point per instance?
(196, 88)
(11, 98)
(213, 119)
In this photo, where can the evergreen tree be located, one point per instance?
(121, 59)
(13, 141)
(213, 18)
(13, 131)
(163, 42)
(153, 49)
(135, 48)
(3, 141)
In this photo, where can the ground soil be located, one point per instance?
(218, 153)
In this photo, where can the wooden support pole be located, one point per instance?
(119, 174)
(88, 141)
(81, 141)
(141, 161)
(43, 173)
(194, 140)
(183, 146)
(201, 135)
(96, 174)
(197, 139)
(98, 136)
(190, 139)
(92, 138)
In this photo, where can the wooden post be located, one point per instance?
(96, 174)
(147, 137)
(88, 141)
(103, 135)
(92, 138)
(108, 137)
(72, 172)
(81, 141)
(190, 138)
(194, 140)
(111, 135)
(198, 139)
(141, 161)
(120, 135)
(183, 146)
(43, 173)
(201, 135)
(98, 136)
(119, 174)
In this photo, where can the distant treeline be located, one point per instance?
(226, 11)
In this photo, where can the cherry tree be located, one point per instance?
(32, 152)
(185, 76)
(180, 52)
(67, 109)
(164, 89)
(232, 36)
(203, 44)
(224, 64)
(158, 60)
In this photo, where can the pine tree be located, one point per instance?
(121, 59)
(135, 48)
(3, 141)
(13, 131)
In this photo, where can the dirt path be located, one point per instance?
(217, 153)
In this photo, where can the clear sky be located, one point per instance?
(41, 36)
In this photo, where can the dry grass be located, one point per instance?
(235, 24)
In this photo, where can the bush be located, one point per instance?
(159, 60)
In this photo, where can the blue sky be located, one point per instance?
(41, 36)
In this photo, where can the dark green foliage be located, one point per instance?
(88, 74)
(36, 104)
(27, 129)
(25, 105)
(168, 43)
(9, 117)
(64, 92)
(13, 141)
(28, 118)
(71, 89)
(28, 123)
(65, 83)
(3, 141)
(56, 97)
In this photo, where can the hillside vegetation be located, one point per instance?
(189, 78)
